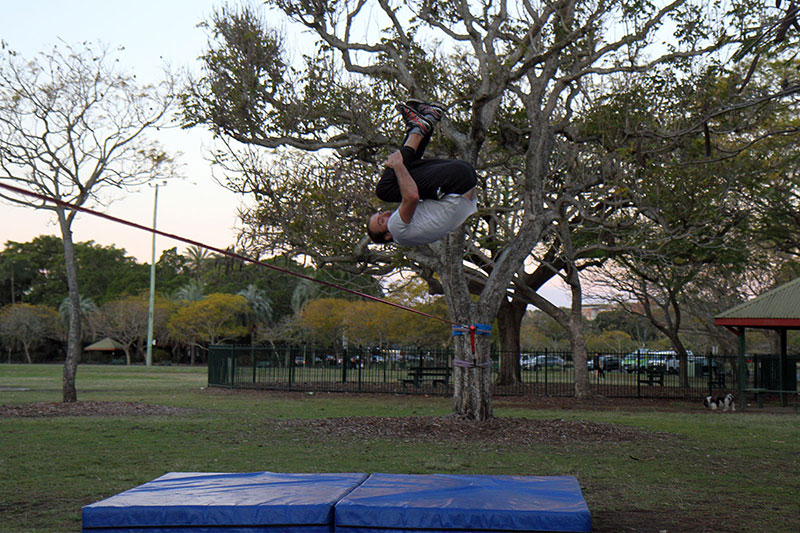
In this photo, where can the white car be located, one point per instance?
(666, 360)
(535, 362)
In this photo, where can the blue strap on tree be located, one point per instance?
(475, 329)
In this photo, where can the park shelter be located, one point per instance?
(104, 345)
(110, 350)
(778, 310)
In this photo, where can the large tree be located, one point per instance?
(212, 320)
(126, 321)
(515, 78)
(104, 272)
(709, 183)
(28, 325)
(71, 125)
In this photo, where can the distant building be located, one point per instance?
(590, 311)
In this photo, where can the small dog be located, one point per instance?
(725, 403)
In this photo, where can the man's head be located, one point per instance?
(377, 227)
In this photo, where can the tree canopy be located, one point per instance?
(524, 85)
(73, 124)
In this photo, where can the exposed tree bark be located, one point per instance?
(667, 322)
(509, 320)
(68, 389)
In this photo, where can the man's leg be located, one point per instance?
(419, 123)
(433, 113)
(433, 183)
(411, 146)
(436, 178)
(417, 136)
(388, 189)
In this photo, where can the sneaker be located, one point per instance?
(414, 120)
(427, 109)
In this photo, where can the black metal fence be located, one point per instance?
(427, 371)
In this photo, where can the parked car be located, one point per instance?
(629, 361)
(535, 362)
(299, 361)
(702, 362)
(664, 361)
(669, 361)
(646, 359)
(607, 362)
(526, 361)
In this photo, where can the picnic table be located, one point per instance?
(651, 376)
(433, 374)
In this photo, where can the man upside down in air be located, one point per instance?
(436, 195)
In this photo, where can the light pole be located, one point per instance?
(151, 309)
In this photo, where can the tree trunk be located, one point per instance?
(572, 322)
(472, 378)
(68, 389)
(577, 342)
(27, 354)
(509, 321)
(683, 364)
(670, 326)
(472, 371)
(577, 338)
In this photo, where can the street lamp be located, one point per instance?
(151, 309)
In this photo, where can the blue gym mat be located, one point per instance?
(344, 503)
(440, 503)
(229, 503)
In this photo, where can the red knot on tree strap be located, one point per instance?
(474, 329)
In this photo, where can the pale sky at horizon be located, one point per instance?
(152, 33)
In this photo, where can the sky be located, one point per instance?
(152, 33)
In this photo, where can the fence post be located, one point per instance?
(545, 372)
(742, 362)
(756, 377)
(290, 362)
(360, 362)
(638, 374)
(344, 365)
(447, 359)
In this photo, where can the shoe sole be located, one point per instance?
(425, 125)
(441, 107)
(437, 110)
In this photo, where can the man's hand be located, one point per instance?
(395, 160)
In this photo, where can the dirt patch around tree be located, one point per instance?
(506, 431)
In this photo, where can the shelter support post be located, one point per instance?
(783, 370)
(742, 369)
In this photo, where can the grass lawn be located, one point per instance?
(706, 471)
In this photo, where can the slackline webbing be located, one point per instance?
(220, 251)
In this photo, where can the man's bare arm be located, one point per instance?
(408, 188)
